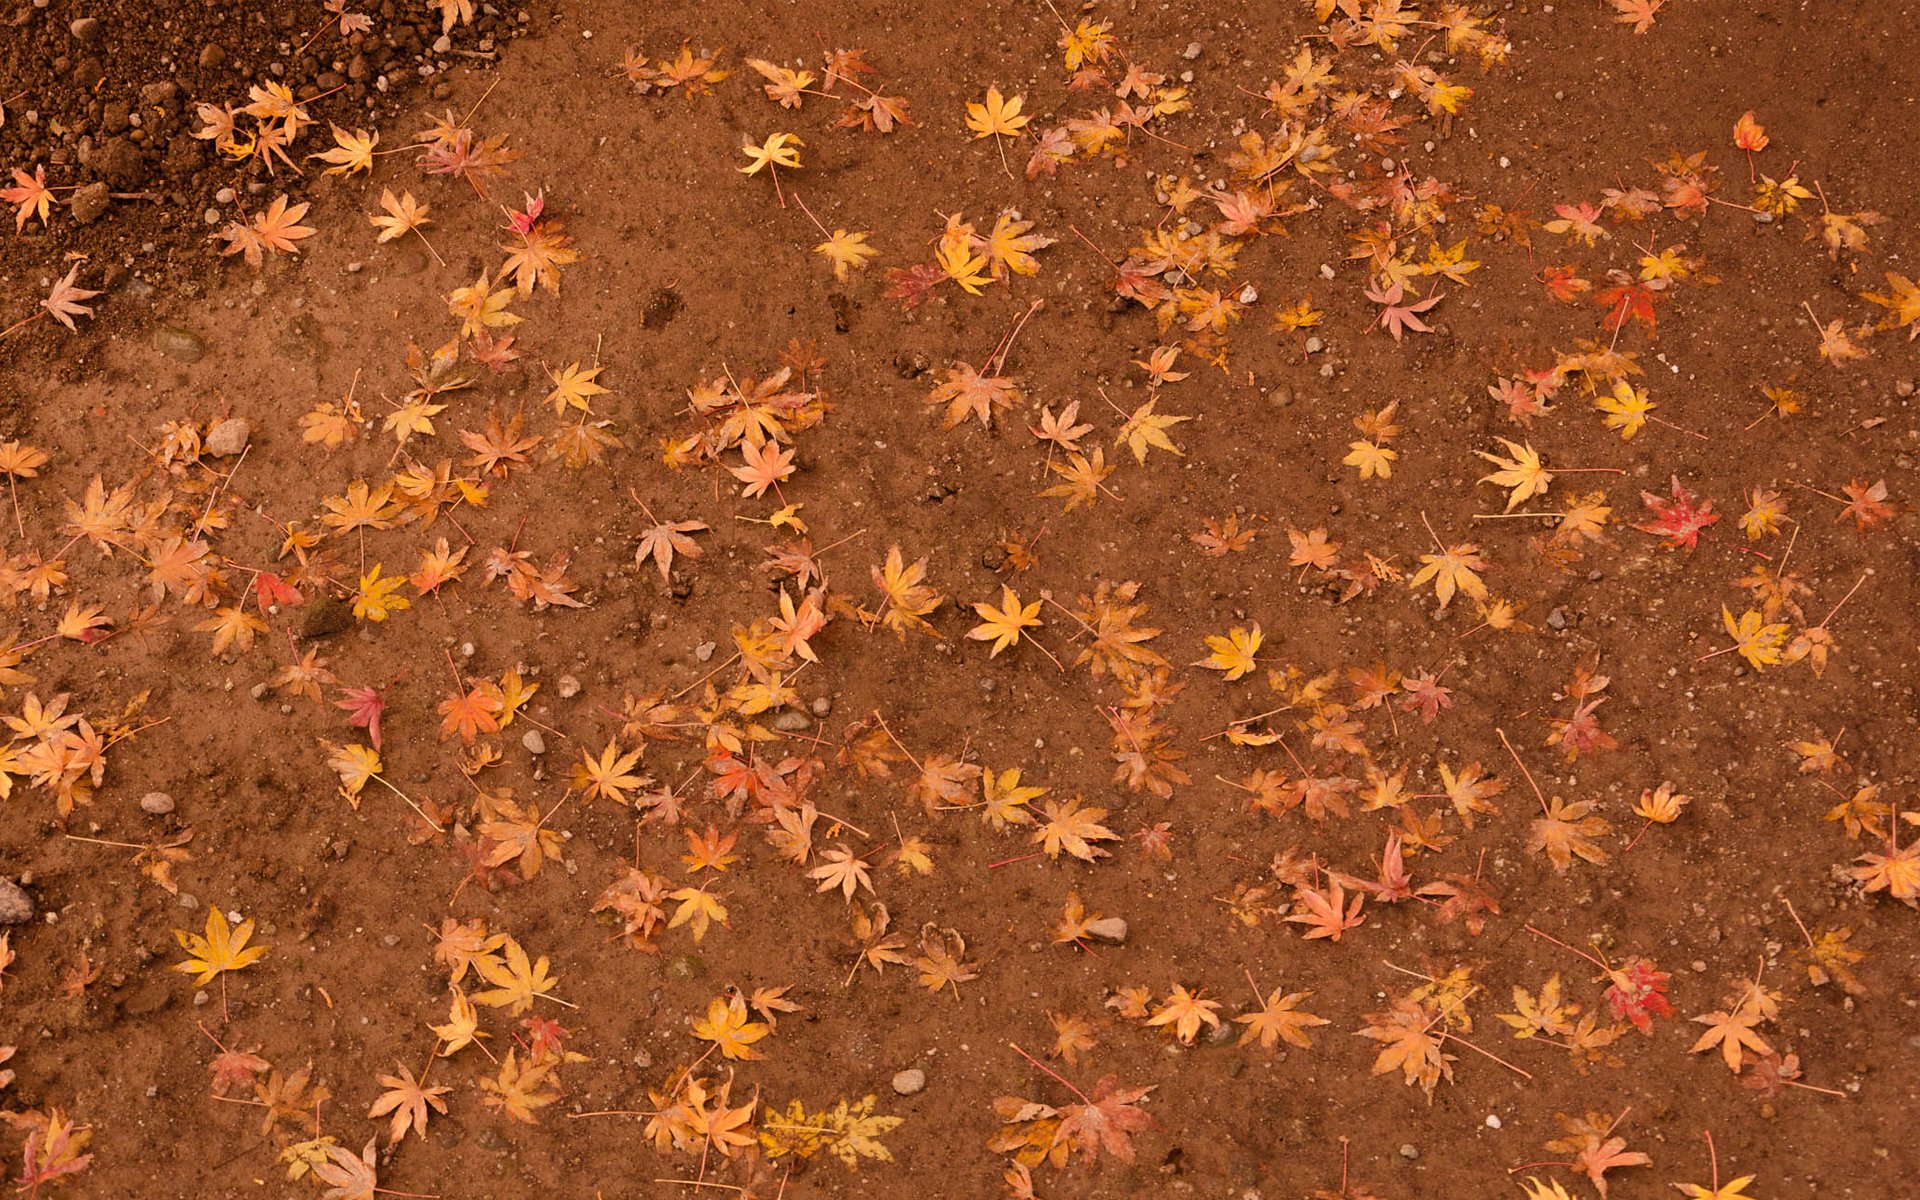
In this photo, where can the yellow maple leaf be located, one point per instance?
(1002, 625)
(1145, 429)
(223, 947)
(846, 251)
(1233, 653)
(998, 115)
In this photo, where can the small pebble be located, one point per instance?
(1409, 1151)
(909, 1081)
(1493, 1121)
(822, 705)
(1904, 388)
(159, 804)
(1315, 345)
(568, 687)
(792, 721)
(228, 437)
(1108, 931)
(703, 651)
(534, 743)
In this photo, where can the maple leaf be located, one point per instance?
(610, 776)
(1733, 1189)
(1524, 472)
(662, 541)
(573, 388)
(52, 1150)
(1185, 1013)
(1145, 429)
(1396, 316)
(403, 215)
(351, 151)
(30, 195)
(1902, 302)
(966, 392)
(1637, 992)
(275, 228)
(1897, 872)
(1867, 505)
(1639, 14)
(1594, 1148)
(779, 150)
(1679, 520)
(1002, 626)
(1072, 828)
(1568, 830)
(363, 706)
(842, 869)
(996, 115)
(729, 1028)
(1371, 459)
(516, 981)
(698, 908)
(1009, 246)
(520, 1089)
(1106, 1121)
(846, 251)
(1757, 641)
(63, 299)
(849, 1132)
(1279, 1019)
(1233, 654)
(764, 466)
(1734, 1033)
(480, 307)
(1454, 569)
(1409, 1044)
(409, 1100)
(1327, 914)
(222, 947)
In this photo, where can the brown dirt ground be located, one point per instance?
(647, 185)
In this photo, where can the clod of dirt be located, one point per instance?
(909, 1081)
(181, 345)
(89, 202)
(16, 906)
(328, 616)
(911, 363)
(119, 162)
(663, 306)
(228, 438)
(158, 804)
(1108, 931)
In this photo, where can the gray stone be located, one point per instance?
(183, 345)
(157, 804)
(909, 1081)
(88, 203)
(822, 705)
(16, 906)
(704, 651)
(534, 743)
(793, 721)
(568, 687)
(1109, 931)
(228, 437)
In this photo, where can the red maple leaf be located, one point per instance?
(1679, 520)
(364, 707)
(1627, 302)
(912, 285)
(1639, 993)
(1107, 1121)
(1564, 283)
(1867, 504)
(269, 588)
(1395, 316)
(1425, 695)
